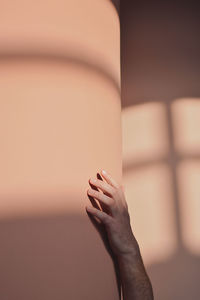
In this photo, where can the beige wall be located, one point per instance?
(60, 123)
(161, 140)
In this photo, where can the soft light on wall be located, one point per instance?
(60, 123)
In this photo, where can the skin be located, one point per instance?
(112, 213)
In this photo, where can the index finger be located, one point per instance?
(109, 179)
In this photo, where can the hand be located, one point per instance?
(113, 213)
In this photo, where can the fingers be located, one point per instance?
(102, 216)
(110, 200)
(102, 205)
(102, 198)
(93, 202)
(102, 186)
(109, 179)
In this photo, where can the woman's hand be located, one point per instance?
(113, 213)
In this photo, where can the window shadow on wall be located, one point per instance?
(161, 63)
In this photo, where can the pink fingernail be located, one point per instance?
(88, 208)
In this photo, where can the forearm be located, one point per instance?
(134, 279)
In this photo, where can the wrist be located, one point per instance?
(133, 256)
(131, 260)
(132, 252)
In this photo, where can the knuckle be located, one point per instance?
(123, 210)
(111, 202)
(97, 181)
(95, 193)
(100, 183)
(114, 192)
(101, 197)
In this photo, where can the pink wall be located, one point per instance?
(60, 123)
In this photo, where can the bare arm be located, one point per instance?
(135, 282)
(114, 215)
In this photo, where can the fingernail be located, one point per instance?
(88, 208)
(93, 180)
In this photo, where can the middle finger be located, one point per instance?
(102, 185)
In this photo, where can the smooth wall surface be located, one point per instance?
(161, 141)
(60, 123)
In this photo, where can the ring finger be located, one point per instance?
(102, 198)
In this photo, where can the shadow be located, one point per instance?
(54, 257)
(176, 278)
(161, 62)
(116, 4)
(160, 49)
(63, 60)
